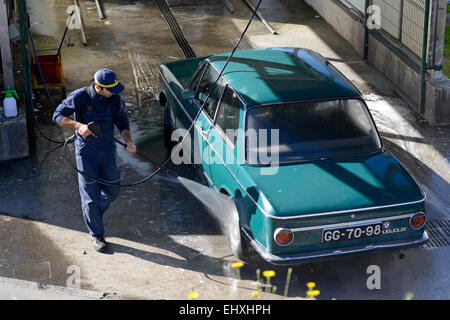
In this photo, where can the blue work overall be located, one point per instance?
(96, 157)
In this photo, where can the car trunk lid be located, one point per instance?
(337, 185)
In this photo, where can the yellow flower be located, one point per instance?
(408, 296)
(313, 293)
(192, 295)
(310, 285)
(269, 273)
(255, 293)
(238, 264)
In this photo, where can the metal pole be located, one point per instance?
(400, 27)
(26, 71)
(99, 9)
(228, 5)
(260, 17)
(65, 32)
(423, 77)
(83, 34)
(366, 30)
(5, 47)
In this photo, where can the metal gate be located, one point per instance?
(401, 20)
(403, 27)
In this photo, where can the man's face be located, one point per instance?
(103, 92)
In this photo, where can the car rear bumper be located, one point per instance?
(334, 253)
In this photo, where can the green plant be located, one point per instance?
(447, 50)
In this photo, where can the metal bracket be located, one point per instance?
(439, 67)
(228, 5)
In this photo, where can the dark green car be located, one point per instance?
(292, 142)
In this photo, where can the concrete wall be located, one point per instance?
(13, 137)
(358, 4)
(344, 24)
(351, 27)
(438, 94)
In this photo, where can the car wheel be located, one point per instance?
(238, 245)
(236, 239)
(168, 129)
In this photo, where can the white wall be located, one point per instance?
(358, 4)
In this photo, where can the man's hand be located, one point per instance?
(131, 147)
(126, 136)
(83, 130)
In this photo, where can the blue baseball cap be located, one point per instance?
(106, 78)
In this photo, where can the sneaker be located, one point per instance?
(99, 242)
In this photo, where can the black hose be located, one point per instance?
(72, 138)
(142, 155)
(95, 130)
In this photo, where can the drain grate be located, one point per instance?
(176, 30)
(439, 233)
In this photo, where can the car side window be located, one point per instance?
(209, 77)
(228, 114)
(198, 76)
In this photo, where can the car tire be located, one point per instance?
(237, 241)
(238, 244)
(168, 129)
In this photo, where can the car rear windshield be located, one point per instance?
(304, 131)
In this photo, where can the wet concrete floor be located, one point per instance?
(162, 239)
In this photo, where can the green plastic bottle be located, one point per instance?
(9, 103)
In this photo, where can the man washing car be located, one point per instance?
(96, 155)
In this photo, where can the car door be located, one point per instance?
(223, 138)
(206, 118)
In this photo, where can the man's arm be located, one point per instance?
(68, 123)
(66, 109)
(126, 136)
(121, 121)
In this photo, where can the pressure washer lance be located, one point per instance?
(95, 131)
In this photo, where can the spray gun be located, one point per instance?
(94, 129)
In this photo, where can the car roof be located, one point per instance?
(272, 75)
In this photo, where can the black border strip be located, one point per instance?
(176, 30)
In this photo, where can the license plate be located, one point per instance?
(352, 233)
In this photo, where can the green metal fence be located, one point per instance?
(404, 21)
(403, 27)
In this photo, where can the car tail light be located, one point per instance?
(283, 237)
(418, 220)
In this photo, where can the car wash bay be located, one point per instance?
(162, 239)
